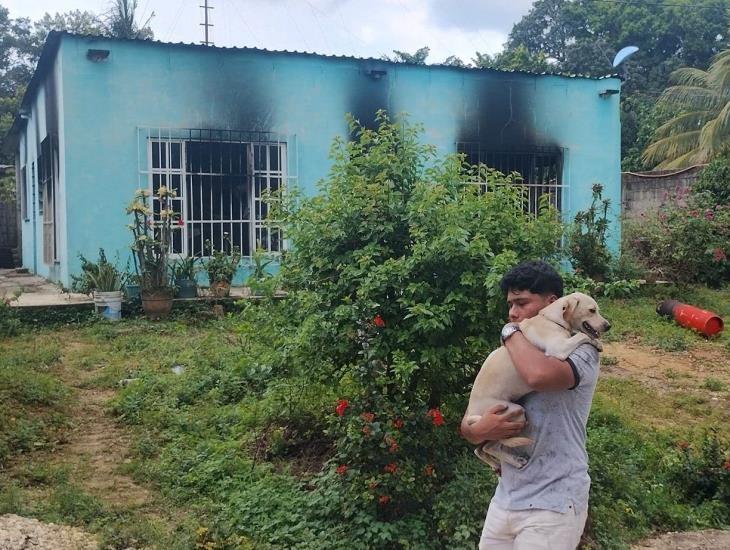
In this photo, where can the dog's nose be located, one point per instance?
(608, 327)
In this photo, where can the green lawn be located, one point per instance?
(229, 448)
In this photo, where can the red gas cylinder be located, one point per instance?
(704, 321)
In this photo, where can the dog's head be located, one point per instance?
(579, 312)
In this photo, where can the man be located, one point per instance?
(544, 504)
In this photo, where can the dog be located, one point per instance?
(558, 329)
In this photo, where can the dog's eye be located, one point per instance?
(593, 310)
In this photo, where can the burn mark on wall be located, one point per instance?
(367, 92)
(241, 100)
(500, 114)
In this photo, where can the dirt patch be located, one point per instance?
(97, 447)
(18, 533)
(712, 539)
(664, 370)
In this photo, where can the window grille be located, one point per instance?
(24, 192)
(47, 198)
(540, 168)
(225, 182)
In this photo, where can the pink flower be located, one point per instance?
(379, 321)
(367, 417)
(341, 469)
(391, 468)
(719, 255)
(709, 215)
(341, 407)
(398, 423)
(181, 222)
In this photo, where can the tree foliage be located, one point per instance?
(394, 268)
(417, 58)
(701, 129)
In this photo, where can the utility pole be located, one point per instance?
(206, 7)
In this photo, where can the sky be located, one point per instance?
(362, 28)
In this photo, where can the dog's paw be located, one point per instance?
(596, 344)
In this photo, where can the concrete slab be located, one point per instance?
(35, 291)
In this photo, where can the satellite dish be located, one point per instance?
(623, 54)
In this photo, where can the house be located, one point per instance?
(102, 117)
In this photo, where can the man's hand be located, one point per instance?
(493, 425)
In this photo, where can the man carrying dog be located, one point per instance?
(545, 503)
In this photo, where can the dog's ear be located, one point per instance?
(569, 306)
(555, 311)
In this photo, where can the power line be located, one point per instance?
(175, 21)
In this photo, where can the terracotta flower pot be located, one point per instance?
(156, 304)
(220, 289)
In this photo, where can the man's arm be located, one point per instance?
(493, 425)
(540, 372)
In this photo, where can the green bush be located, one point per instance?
(9, 323)
(683, 241)
(394, 268)
(713, 182)
(587, 247)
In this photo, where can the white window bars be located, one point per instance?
(540, 168)
(225, 183)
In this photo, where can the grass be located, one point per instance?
(237, 437)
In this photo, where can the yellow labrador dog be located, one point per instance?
(557, 330)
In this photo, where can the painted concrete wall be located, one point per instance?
(305, 98)
(44, 119)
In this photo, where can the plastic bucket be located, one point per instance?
(109, 305)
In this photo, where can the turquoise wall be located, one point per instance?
(304, 98)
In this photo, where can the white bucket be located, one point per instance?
(109, 304)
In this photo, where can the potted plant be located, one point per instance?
(257, 280)
(183, 272)
(104, 282)
(221, 266)
(107, 284)
(152, 242)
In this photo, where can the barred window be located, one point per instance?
(224, 189)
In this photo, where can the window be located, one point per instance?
(47, 199)
(24, 192)
(224, 187)
(541, 169)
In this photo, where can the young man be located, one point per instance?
(545, 504)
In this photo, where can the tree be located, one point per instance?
(517, 59)
(121, 21)
(701, 130)
(453, 61)
(417, 58)
(582, 36)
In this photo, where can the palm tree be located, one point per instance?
(121, 21)
(701, 130)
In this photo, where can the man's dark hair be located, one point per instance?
(535, 276)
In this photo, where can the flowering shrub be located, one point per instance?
(587, 247)
(394, 274)
(152, 238)
(683, 241)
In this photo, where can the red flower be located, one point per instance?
(428, 470)
(342, 406)
(391, 468)
(709, 215)
(367, 417)
(379, 321)
(341, 469)
(398, 423)
(367, 431)
(438, 418)
(383, 500)
(726, 465)
(389, 440)
(719, 255)
(181, 222)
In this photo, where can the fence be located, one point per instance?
(645, 191)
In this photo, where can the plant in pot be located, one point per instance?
(107, 284)
(183, 272)
(259, 279)
(221, 266)
(152, 242)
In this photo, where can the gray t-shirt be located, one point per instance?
(556, 476)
